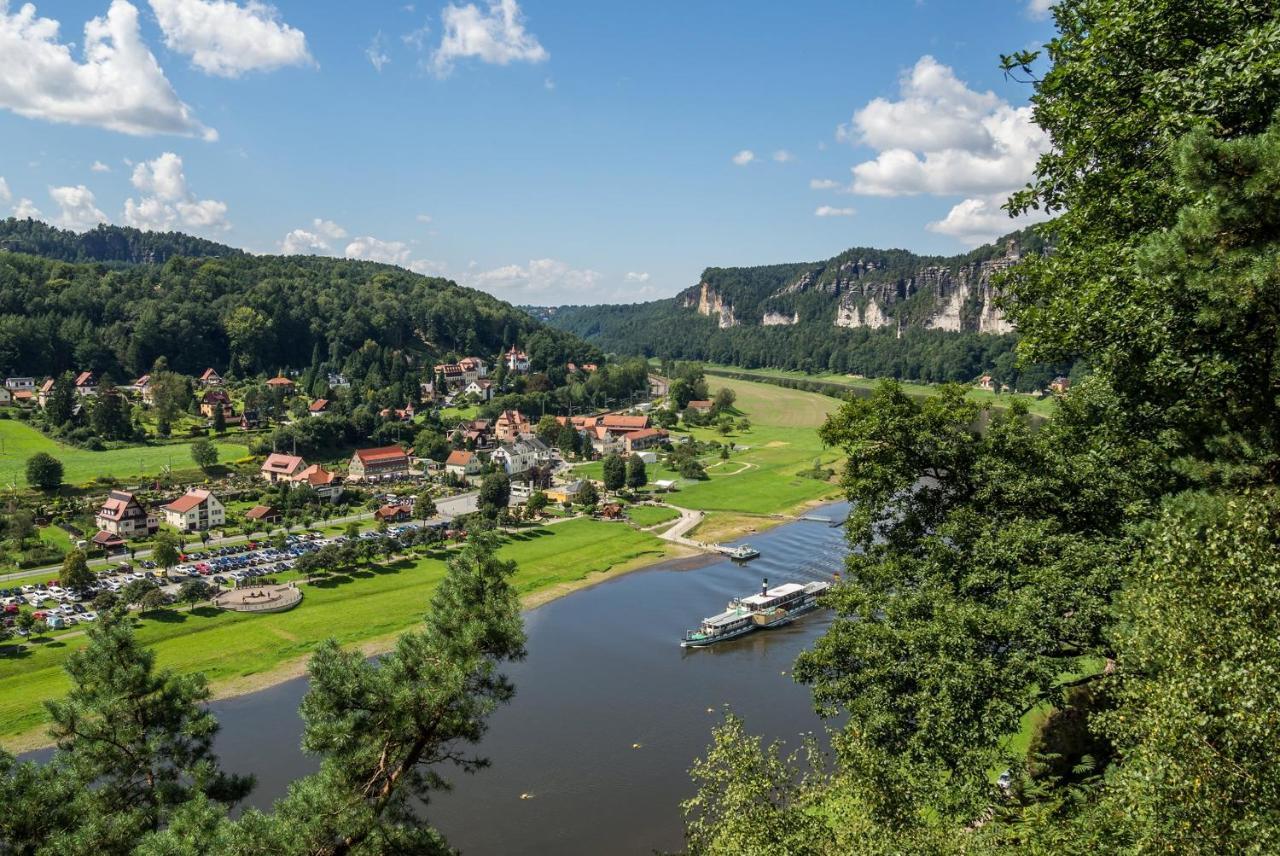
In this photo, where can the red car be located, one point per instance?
(10, 608)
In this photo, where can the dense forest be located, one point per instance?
(812, 293)
(1064, 638)
(104, 243)
(236, 312)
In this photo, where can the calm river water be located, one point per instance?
(604, 672)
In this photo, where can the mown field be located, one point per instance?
(19, 441)
(1038, 406)
(781, 442)
(370, 604)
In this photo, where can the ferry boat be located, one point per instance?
(742, 553)
(772, 607)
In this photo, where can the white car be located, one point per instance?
(28, 589)
(88, 616)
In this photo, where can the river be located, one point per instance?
(605, 672)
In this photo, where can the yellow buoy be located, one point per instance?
(635, 745)
(526, 796)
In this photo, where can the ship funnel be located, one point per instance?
(764, 586)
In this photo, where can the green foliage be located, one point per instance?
(637, 475)
(615, 473)
(204, 453)
(143, 740)
(167, 552)
(44, 471)
(588, 497)
(495, 494)
(75, 573)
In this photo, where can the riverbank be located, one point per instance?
(369, 608)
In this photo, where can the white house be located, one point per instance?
(462, 464)
(481, 389)
(17, 384)
(517, 360)
(515, 458)
(195, 511)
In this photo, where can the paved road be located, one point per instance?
(447, 508)
(689, 518)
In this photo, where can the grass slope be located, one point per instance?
(378, 602)
(781, 441)
(20, 441)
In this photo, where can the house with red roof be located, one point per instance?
(281, 383)
(509, 425)
(324, 483)
(381, 464)
(319, 407)
(121, 513)
(638, 441)
(195, 511)
(86, 384)
(210, 378)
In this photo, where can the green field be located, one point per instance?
(781, 442)
(1039, 406)
(650, 515)
(19, 441)
(374, 603)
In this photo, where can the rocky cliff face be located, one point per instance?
(778, 319)
(708, 302)
(935, 297)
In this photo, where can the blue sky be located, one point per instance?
(548, 152)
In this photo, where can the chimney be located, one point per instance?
(764, 586)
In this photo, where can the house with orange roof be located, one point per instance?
(86, 384)
(195, 511)
(281, 383)
(319, 407)
(323, 482)
(210, 378)
(509, 425)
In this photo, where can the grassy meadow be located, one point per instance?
(19, 441)
(239, 650)
(763, 479)
(1039, 406)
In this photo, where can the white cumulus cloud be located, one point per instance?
(943, 138)
(398, 253)
(118, 85)
(496, 35)
(978, 220)
(539, 276)
(300, 242)
(170, 203)
(26, 209)
(1040, 8)
(823, 184)
(227, 39)
(79, 211)
(328, 228)
(99, 166)
(633, 276)
(783, 156)
(830, 211)
(744, 157)
(5, 194)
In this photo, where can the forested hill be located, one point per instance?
(246, 314)
(866, 311)
(104, 243)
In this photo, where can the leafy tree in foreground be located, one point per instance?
(204, 453)
(166, 551)
(141, 738)
(75, 573)
(384, 730)
(637, 476)
(615, 473)
(44, 471)
(495, 494)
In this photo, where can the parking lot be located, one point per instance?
(220, 567)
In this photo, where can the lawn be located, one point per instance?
(19, 441)
(373, 603)
(781, 442)
(864, 385)
(650, 515)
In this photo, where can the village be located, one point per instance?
(482, 471)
